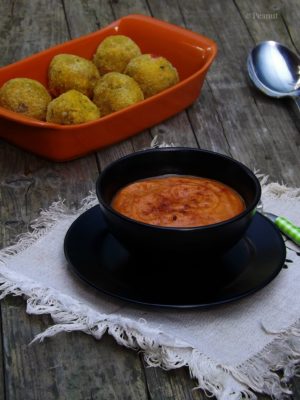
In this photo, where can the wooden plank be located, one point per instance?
(100, 14)
(279, 22)
(266, 21)
(24, 176)
(209, 136)
(226, 95)
(2, 376)
(43, 183)
(258, 130)
(142, 140)
(289, 12)
(67, 366)
(27, 184)
(84, 18)
(28, 27)
(170, 131)
(173, 384)
(175, 130)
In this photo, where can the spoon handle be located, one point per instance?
(297, 101)
(289, 229)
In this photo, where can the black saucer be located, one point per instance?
(100, 260)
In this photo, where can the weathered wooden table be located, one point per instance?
(229, 117)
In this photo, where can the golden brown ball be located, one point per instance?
(114, 53)
(153, 74)
(25, 96)
(72, 107)
(67, 72)
(115, 91)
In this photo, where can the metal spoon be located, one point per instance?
(275, 70)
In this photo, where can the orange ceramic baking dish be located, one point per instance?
(189, 52)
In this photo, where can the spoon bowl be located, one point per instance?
(275, 70)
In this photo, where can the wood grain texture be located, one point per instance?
(290, 14)
(175, 130)
(28, 27)
(2, 376)
(67, 366)
(229, 116)
(84, 17)
(174, 384)
(27, 184)
(170, 132)
(258, 130)
(265, 20)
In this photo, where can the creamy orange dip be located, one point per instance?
(178, 201)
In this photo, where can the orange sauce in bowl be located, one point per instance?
(178, 201)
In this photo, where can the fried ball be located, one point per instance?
(70, 108)
(25, 96)
(67, 71)
(153, 74)
(115, 91)
(114, 53)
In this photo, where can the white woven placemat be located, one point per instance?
(232, 350)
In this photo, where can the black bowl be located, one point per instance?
(169, 241)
